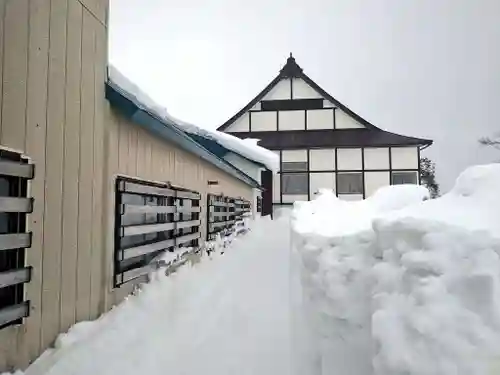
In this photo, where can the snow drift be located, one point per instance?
(398, 285)
(245, 147)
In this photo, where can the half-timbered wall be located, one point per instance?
(292, 109)
(352, 173)
(293, 105)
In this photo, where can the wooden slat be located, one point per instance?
(131, 187)
(188, 195)
(10, 204)
(188, 237)
(13, 313)
(186, 224)
(147, 249)
(14, 277)
(183, 210)
(9, 168)
(137, 272)
(15, 241)
(150, 228)
(136, 209)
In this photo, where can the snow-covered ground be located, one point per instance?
(396, 285)
(226, 315)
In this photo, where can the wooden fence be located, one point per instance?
(15, 172)
(152, 219)
(224, 214)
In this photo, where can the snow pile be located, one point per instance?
(396, 285)
(245, 147)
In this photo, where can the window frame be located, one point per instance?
(402, 173)
(349, 191)
(284, 185)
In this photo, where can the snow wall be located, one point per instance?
(401, 285)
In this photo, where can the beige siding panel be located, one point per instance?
(122, 133)
(132, 149)
(71, 167)
(54, 174)
(2, 33)
(112, 138)
(85, 182)
(15, 67)
(36, 116)
(97, 189)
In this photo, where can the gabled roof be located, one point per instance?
(139, 113)
(293, 70)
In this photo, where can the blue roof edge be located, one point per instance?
(139, 114)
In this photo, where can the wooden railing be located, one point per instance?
(15, 172)
(224, 214)
(151, 220)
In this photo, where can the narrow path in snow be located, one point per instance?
(227, 315)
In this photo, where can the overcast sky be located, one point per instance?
(427, 68)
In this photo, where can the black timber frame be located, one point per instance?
(15, 205)
(338, 171)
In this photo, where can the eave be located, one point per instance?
(141, 116)
(329, 138)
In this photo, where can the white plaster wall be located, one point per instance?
(328, 104)
(291, 120)
(294, 155)
(276, 188)
(322, 159)
(246, 166)
(264, 121)
(294, 198)
(301, 90)
(404, 157)
(377, 158)
(351, 197)
(241, 124)
(349, 159)
(256, 107)
(280, 91)
(324, 180)
(320, 119)
(375, 180)
(344, 121)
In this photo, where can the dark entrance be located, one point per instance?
(267, 193)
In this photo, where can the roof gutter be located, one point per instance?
(151, 122)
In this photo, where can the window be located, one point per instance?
(14, 206)
(349, 183)
(294, 183)
(400, 178)
(151, 218)
(294, 166)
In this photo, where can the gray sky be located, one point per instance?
(427, 68)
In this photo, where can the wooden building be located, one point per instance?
(322, 143)
(93, 185)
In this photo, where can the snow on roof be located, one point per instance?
(244, 147)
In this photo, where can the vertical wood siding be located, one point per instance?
(53, 56)
(52, 73)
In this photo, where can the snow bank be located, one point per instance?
(397, 285)
(245, 147)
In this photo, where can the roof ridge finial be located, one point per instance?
(291, 69)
